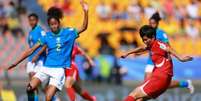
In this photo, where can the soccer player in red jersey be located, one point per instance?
(162, 36)
(73, 83)
(162, 74)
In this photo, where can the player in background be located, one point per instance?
(162, 73)
(162, 36)
(34, 35)
(73, 82)
(59, 42)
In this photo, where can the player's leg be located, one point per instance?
(174, 83)
(35, 94)
(30, 70)
(70, 80)
(152, 88)
(56, 82)
(136, 94)
(148, 73)
(50, 92)
(31, 74)
(142, 99)
(31, 88)
(69, 89)
(182, 84)
(44, 87)
(83, 93)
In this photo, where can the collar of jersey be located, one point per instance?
(61, 30)
(35, 27)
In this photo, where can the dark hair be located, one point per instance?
(33, 15)
(148, 31)
(55, 13)
(156, 17)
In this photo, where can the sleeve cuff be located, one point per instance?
(76, 33)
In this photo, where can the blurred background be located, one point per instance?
(113, 30)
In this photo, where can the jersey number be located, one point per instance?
(58, 47)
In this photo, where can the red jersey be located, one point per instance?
(73, 71)
(161, 58)
(76, 51)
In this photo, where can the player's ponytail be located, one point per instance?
(55, 13)
(156, 17)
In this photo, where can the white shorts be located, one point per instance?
(56, 76)
(32, 67)
(149, 68)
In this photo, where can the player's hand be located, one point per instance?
(186, 58)
(124, 56)
(34, 59)
(85, 6)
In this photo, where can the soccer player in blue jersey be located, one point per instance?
(34, 35)
(73, 82)
(162, 36)
(59, 42)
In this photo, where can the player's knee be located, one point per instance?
(48, 96)
(136, 93)
(68, 85)
(133, 93)
(29, 88)
(69, 82)
(140, 99)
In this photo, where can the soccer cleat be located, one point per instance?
(190, 86)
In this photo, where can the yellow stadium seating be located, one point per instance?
(88, 38)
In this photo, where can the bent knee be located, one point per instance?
(137, 93)
(48, 97)
(30, 88)
(69, 82)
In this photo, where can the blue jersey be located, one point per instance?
(33, 37)
(162, 36)
(60, 47)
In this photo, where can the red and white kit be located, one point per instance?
(162, 73)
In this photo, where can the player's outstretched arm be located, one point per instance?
(137, 51)
(89, 59)
(35, 58)
(24, 55)
(179, 57)
(85, 21)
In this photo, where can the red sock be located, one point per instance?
(87, 96)
(71, 93)
(129, 98)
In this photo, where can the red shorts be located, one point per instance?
(72, 71)
(156, 85)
